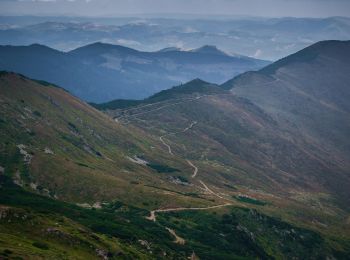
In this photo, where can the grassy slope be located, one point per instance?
(194, 86)
(90, 162)
(240, 149)
(89, 165)
(307, 94)
(34, 226)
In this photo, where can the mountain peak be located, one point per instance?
(98, 47)
(210, 49)
(333, 49)
(168, 49)
(194, 86)
(197, 81)
(36, 47)
(40, 46)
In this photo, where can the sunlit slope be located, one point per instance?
(56, 145)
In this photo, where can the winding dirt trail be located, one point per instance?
(153, 217)
(168, 146)
(156, 109)
(180, 101)
(195, 169)
(210, 191)
(190, 126)
(183, 131)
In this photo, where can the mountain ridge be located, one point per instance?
(101, 72)
(195, 86)
(308, 54)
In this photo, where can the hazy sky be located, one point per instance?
(274, 8)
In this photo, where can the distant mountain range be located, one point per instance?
(263, 38)
(101, 72)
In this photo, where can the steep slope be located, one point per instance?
(101, 72)
(308, 92)
(273, 153)
(57, 148)
(56, 145)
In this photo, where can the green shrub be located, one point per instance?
(41, 245)
(162, 168)
(250, 200)
(7, 252)
(37, 113)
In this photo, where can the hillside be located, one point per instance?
(77, 184)
(196, 86)
(57, 145)
(279, 137)
(102, 72)
(307, 91)
(289, 120)
(230, 131)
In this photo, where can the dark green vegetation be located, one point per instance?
(259, 176)
(162, 168)
(36, 226)
(250, 200)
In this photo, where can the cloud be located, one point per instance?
(258, 53)
(276, 8)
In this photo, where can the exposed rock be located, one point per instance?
(97, 205)
(33, 185)
(102, 253)
(84, 205)
(137, 160)
(27, 158)
(48, 151)
(2, 170)
(145, 243)
(46, 192)
(17, 179)
(178, 181)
